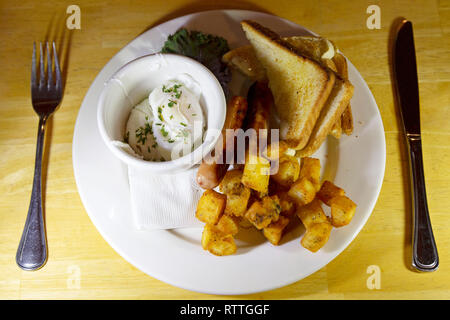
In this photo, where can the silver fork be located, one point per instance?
(45, 97)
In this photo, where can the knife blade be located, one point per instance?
(405, 74)
(424, 255)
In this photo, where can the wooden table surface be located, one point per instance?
(82, 265)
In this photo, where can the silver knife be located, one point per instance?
(424, 255)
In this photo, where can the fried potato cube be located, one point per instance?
(228, 224)
(237, 194)
(257, 215)
(342, 210)
(310, 169)
(256, 173)
(288, 171)
(225, 247)
(272, 204)
(274, 231)
(231, 182)
(312, 213)
(262, 213)
(302, 191)
(209, 235)
(287, 204)
(316, 236)
(210, 206)
(237, 203)
(328, 191)
(217, 242)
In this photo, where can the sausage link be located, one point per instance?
(211, 172)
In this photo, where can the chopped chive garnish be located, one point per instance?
(164, 132)
(183, 124)
(160, 117)
(142, 132)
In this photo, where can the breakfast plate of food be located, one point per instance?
(277, 130)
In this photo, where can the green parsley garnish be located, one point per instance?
(205, 48)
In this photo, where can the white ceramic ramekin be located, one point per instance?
(134, 81)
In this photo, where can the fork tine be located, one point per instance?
(33, 67)
(57, 70)
(41, 67)
(49, 68)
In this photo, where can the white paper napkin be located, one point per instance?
(164, 201)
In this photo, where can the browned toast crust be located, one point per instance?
(298, 131)
(346, 117)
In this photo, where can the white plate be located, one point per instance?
(355, 163)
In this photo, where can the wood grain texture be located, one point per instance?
(76, 247)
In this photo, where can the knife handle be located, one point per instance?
(425, 255)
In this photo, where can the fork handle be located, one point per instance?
(32, 251)
(425, 255)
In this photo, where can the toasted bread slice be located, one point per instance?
(245, 61)
(338, 100)
(324, 51)
(319, 49)
(300, 85)
(346, 117)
